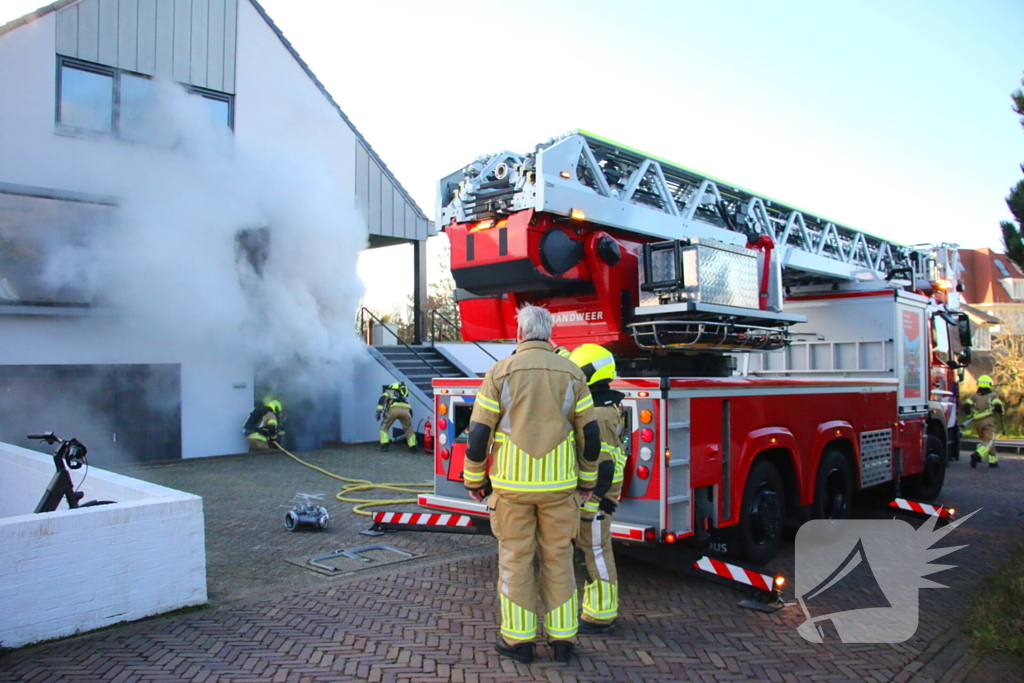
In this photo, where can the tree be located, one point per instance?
(1013, 232)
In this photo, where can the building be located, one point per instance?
(994, 285)
(181, 206)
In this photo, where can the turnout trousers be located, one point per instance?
(601, 594)
(403, 415)
(537, 526)
(987, 435)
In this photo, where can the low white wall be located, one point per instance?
(71, 571)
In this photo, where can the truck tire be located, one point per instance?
(833, 489)
(927, 485)
(762, 514)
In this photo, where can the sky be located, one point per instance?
(892, 117)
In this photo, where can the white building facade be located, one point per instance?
(139, 310)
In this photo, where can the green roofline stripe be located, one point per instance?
(787, 205)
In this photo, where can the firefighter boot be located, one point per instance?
(521, 652)
(975, 459)
(590, 627)
(384, 447)
(562, 650)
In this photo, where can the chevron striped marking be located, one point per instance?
(731, 571)
(921, 508)
(425, 518)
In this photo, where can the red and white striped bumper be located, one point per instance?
(739, 574)
(922, 508)
(421, 518)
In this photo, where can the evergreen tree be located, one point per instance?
(1013, 239)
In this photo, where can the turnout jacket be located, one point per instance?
(983, 407)
(612, 461)
(534, 416)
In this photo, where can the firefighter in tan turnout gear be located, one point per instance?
(535, 416)
(984, 407)
(601, 595)
(392, 405)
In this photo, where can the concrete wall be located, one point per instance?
(359, 401)
(71, 571)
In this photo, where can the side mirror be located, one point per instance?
(963, 326)
(964, 357)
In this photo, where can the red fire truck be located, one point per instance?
(774, 362)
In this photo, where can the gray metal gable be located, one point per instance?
(189, 41)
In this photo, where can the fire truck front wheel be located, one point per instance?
(762, 515)
(927, 485)
(833, 490)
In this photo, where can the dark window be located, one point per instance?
(1002, 268)
(95, 98)
(86, 98)
(44, 245)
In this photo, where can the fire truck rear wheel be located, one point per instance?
(927, 485)
(833, 490)
(762, 514)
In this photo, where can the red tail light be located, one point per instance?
(642, 472)
(442, 424)
(649, 535)
(445, 454)
(647, 435)
(670, 537)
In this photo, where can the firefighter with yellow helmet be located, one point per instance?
(601, 594)
(392, 405)
(984, 406)
(263, 425)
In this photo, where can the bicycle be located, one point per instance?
(72, 453)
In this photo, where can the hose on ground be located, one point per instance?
(360, 485)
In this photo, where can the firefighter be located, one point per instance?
(392, 405)
(263, 425)
(601, 594)
(562, 351)
(984, 406)
(536, 410)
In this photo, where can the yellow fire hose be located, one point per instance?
(359, 485)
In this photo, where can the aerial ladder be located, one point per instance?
(661, 209)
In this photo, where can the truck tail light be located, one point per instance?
(643, 472)
(445, 454)
(647, 434)
(646, 416)
(670, 537)
(649, 535)
(442, 424)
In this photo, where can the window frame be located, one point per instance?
(1001, 267)
(115, 116)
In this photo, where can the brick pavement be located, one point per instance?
(436, 621)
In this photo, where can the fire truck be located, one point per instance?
(774, 362)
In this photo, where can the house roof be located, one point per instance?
(54, 6)
(980, 314)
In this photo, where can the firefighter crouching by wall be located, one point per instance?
(394, 405)
(535, 408)
(984, 407)
(601, 594)
(263, 425)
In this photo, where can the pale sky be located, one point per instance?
(892, 117)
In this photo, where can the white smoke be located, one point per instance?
(170, 267)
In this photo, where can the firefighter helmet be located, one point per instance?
(273, 404)
(984, 382)
(597, 362)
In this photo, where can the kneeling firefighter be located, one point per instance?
(984, 406)
(601, 594)
(263, 425)
(394, 405)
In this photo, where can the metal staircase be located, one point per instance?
(582, 174)
(419, 365)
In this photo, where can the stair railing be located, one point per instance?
(433, 336)
(363, 311)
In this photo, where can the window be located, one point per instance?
(99, 99)
(1001, 267)
(86, 98)
(44, 245)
